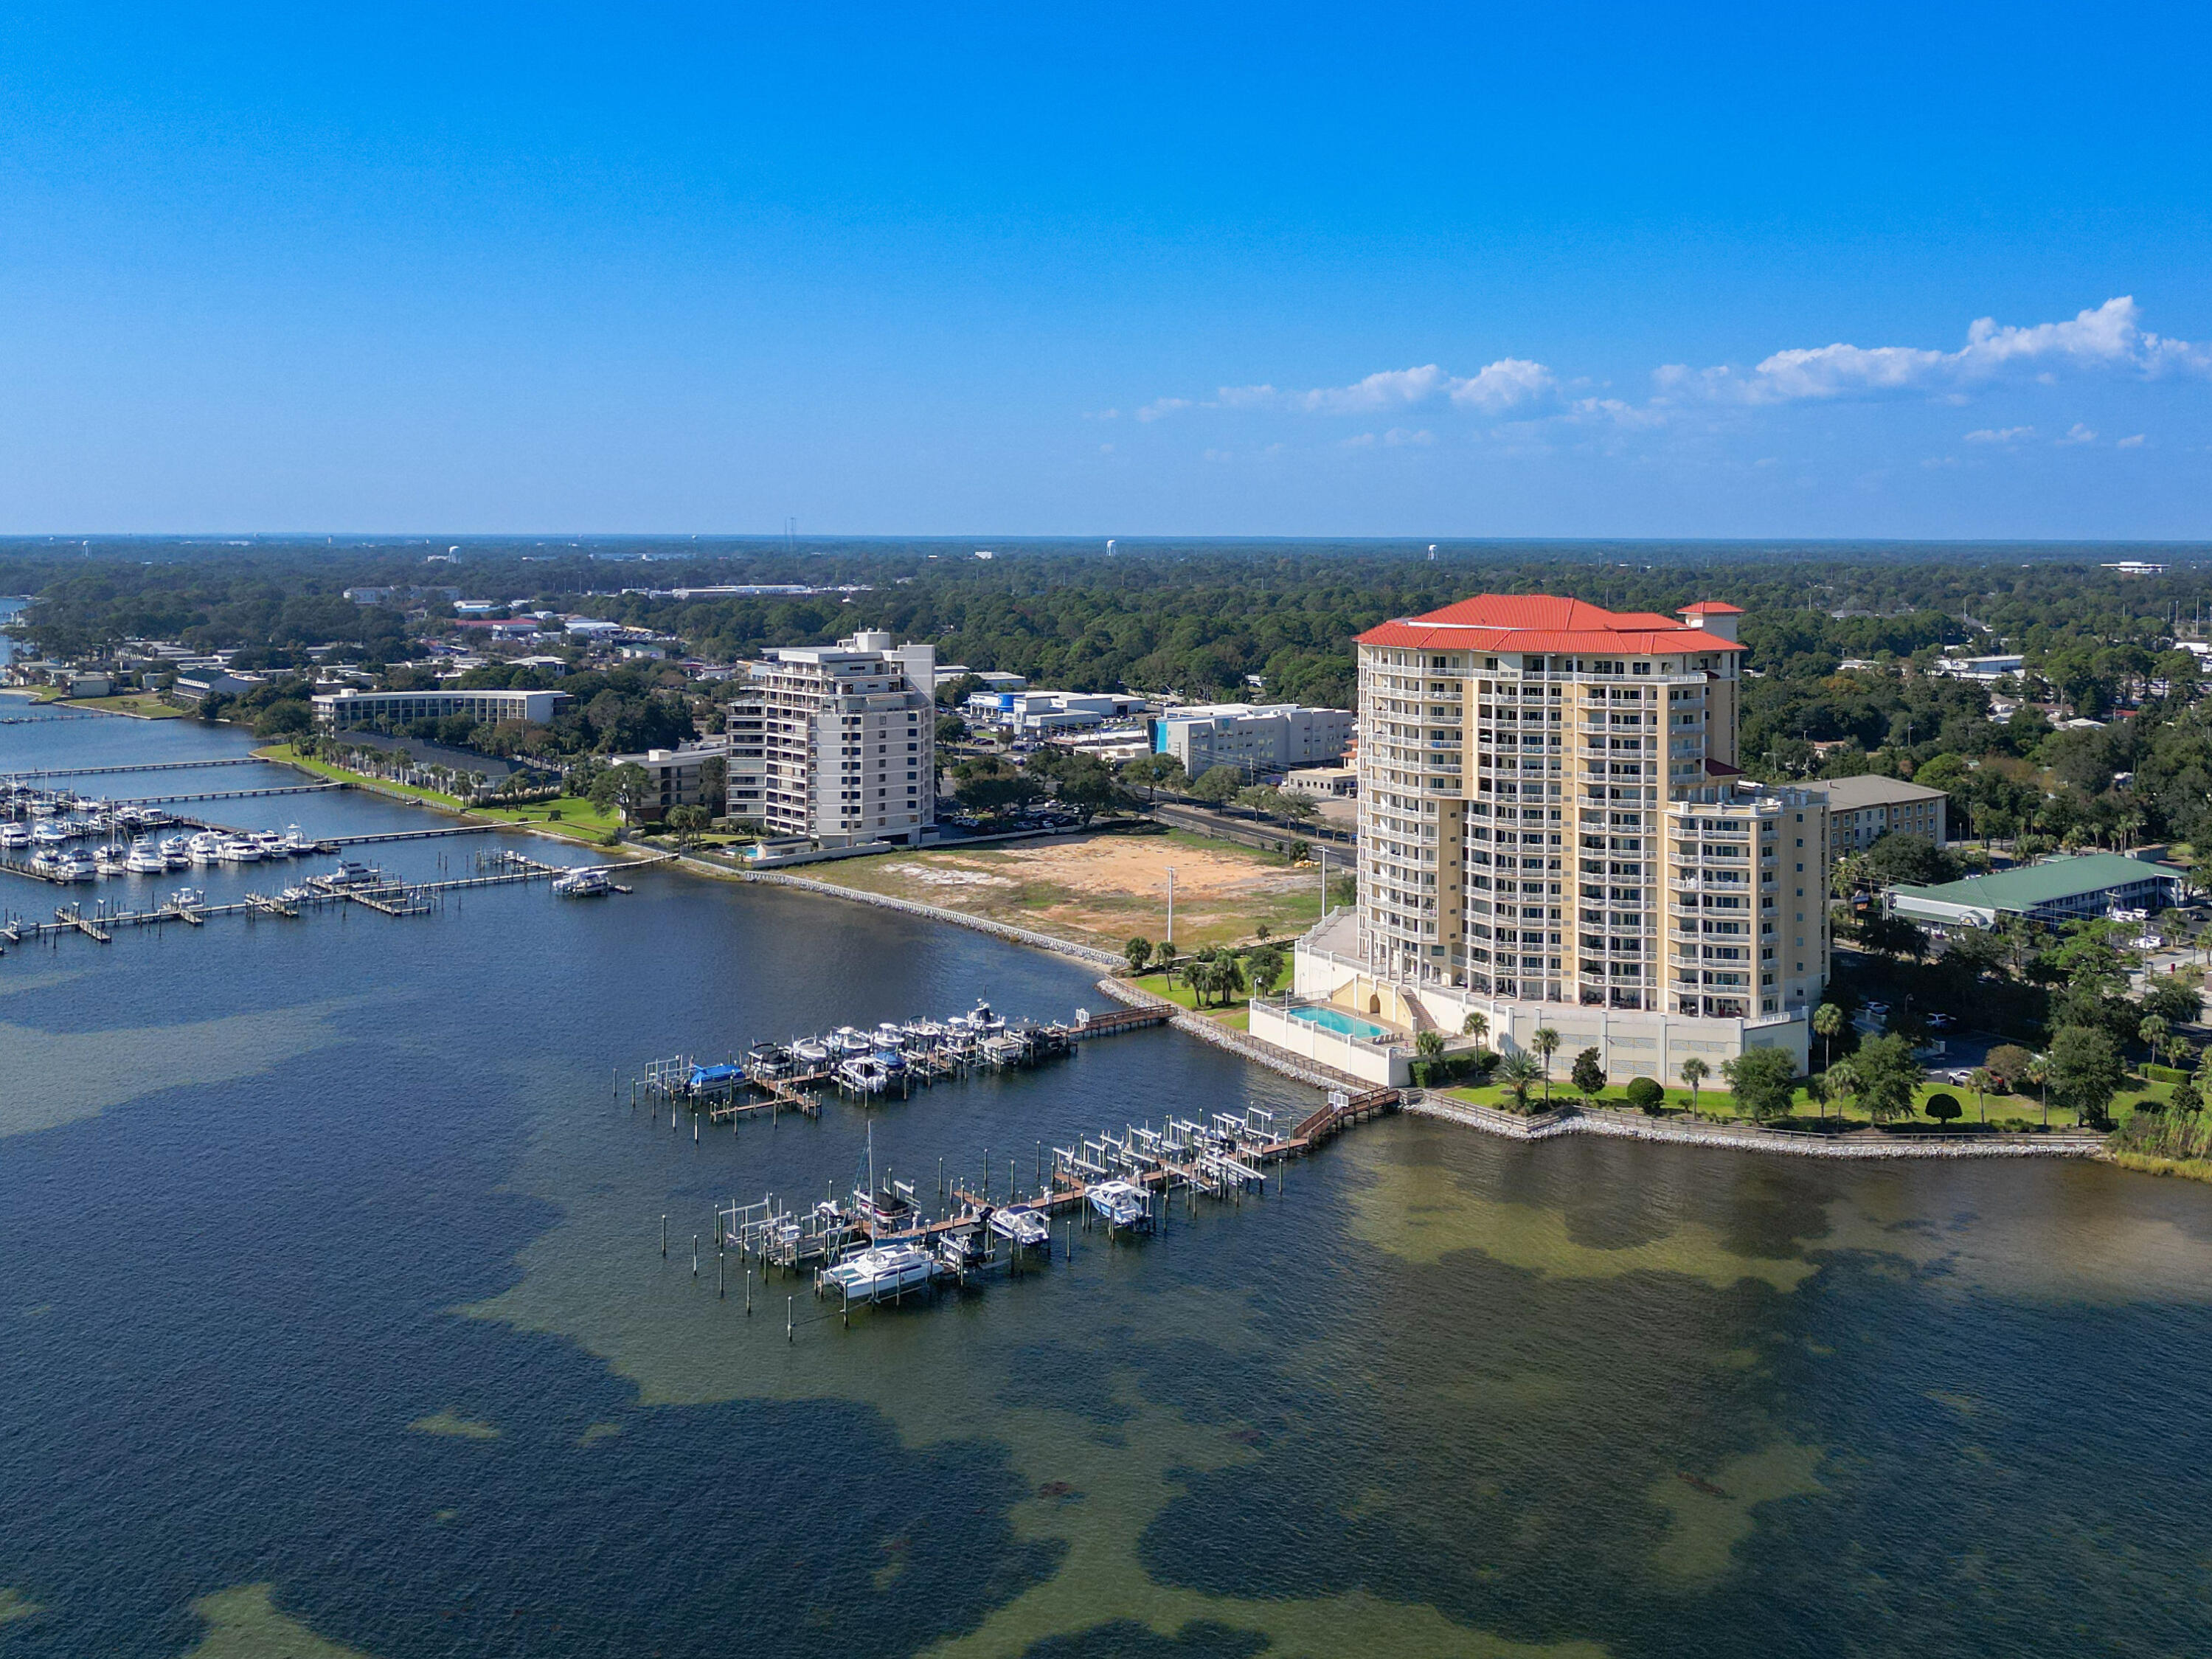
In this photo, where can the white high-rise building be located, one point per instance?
(1553, 832)
(847, 742)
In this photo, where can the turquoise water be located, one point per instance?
(1332, 1020)
(332, 1310)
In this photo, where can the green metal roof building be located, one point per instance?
(2056, 890)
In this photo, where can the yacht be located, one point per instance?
(983, 1022)
(46, 862)
(145, 858)
(881, 1270)
(177, 852)
(238, 849)
(14, 835)
(109, 860)
(1122, 1203)
(186, 898)
(271, 843)
(297, 842)
(583, 883)
(350, 872)
(49, 835)
(73, 867)
(205, 848)
(1027, 1229)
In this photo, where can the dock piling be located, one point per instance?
(663, 1238)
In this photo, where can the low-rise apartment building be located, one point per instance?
(1862, 809)
(341, 710)
(682, 777)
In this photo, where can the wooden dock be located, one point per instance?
(149, 766)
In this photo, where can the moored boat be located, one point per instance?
(144, 858)
(1121, 1203)
(881, 1270)
(1026, 1229)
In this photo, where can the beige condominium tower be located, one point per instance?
(1553, 832)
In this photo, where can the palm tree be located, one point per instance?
(1518, 1074)
(1982, 1082)
(1430, 1044)
(1842, 1082)
(1693, 1073)
(1545, 1042)
(2039, 1075)
(1828, 1023)
(2153, 1033)
(1476, 1026)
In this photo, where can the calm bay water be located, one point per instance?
(332, 1311)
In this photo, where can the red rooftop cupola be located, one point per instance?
(1715, 617)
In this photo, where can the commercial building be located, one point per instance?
(849, 741)
(1339, 782)
(1043, 713)
(2056, 890)
(1862, 809)
(1553, 832)
(338, 711)
(1255, 738)
(682, 777)
(1984, 669)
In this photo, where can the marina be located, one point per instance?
(366, 886)
(893, 1057)
(879, 1244)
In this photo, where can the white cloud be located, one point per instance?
(2110, 338)
(1399, 437)
(2078, 433)
(1506, 384)
(1999, 434)
(2135, 442)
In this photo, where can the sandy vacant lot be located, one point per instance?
(1103, 889)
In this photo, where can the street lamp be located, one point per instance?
(1170, 938)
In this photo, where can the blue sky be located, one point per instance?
(1571, 270)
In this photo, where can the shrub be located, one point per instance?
(1646, 1096)
(1944, 1109)
(2166, 1075)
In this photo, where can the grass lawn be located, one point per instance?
(1235, 1012)
(145, 706)
(579, 819)
(1718, 1104)
(285, 753)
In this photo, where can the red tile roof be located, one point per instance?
(1542, 622)
(1712, 608)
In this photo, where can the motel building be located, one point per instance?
(1553, 832)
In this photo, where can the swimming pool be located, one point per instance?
(1344, 1025)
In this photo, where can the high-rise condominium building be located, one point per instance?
(847, 741)
(1553, 831)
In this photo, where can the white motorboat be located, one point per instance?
(583, 883)
(1026, 1229)
(145, 858)
(49, 835)
(239, 849)
(882, 1270)
(1122, 1203)
(811, 1053)
(205, 848)
(14, 835)
(350, 872)
(186, 898)
(271, 843)
(864, 1074)
(298, 843)
(891, 1037)
(46, 862)
(73, 867)
(983, 1022)
(110, 861)
(177, 853)
(847, 1040)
